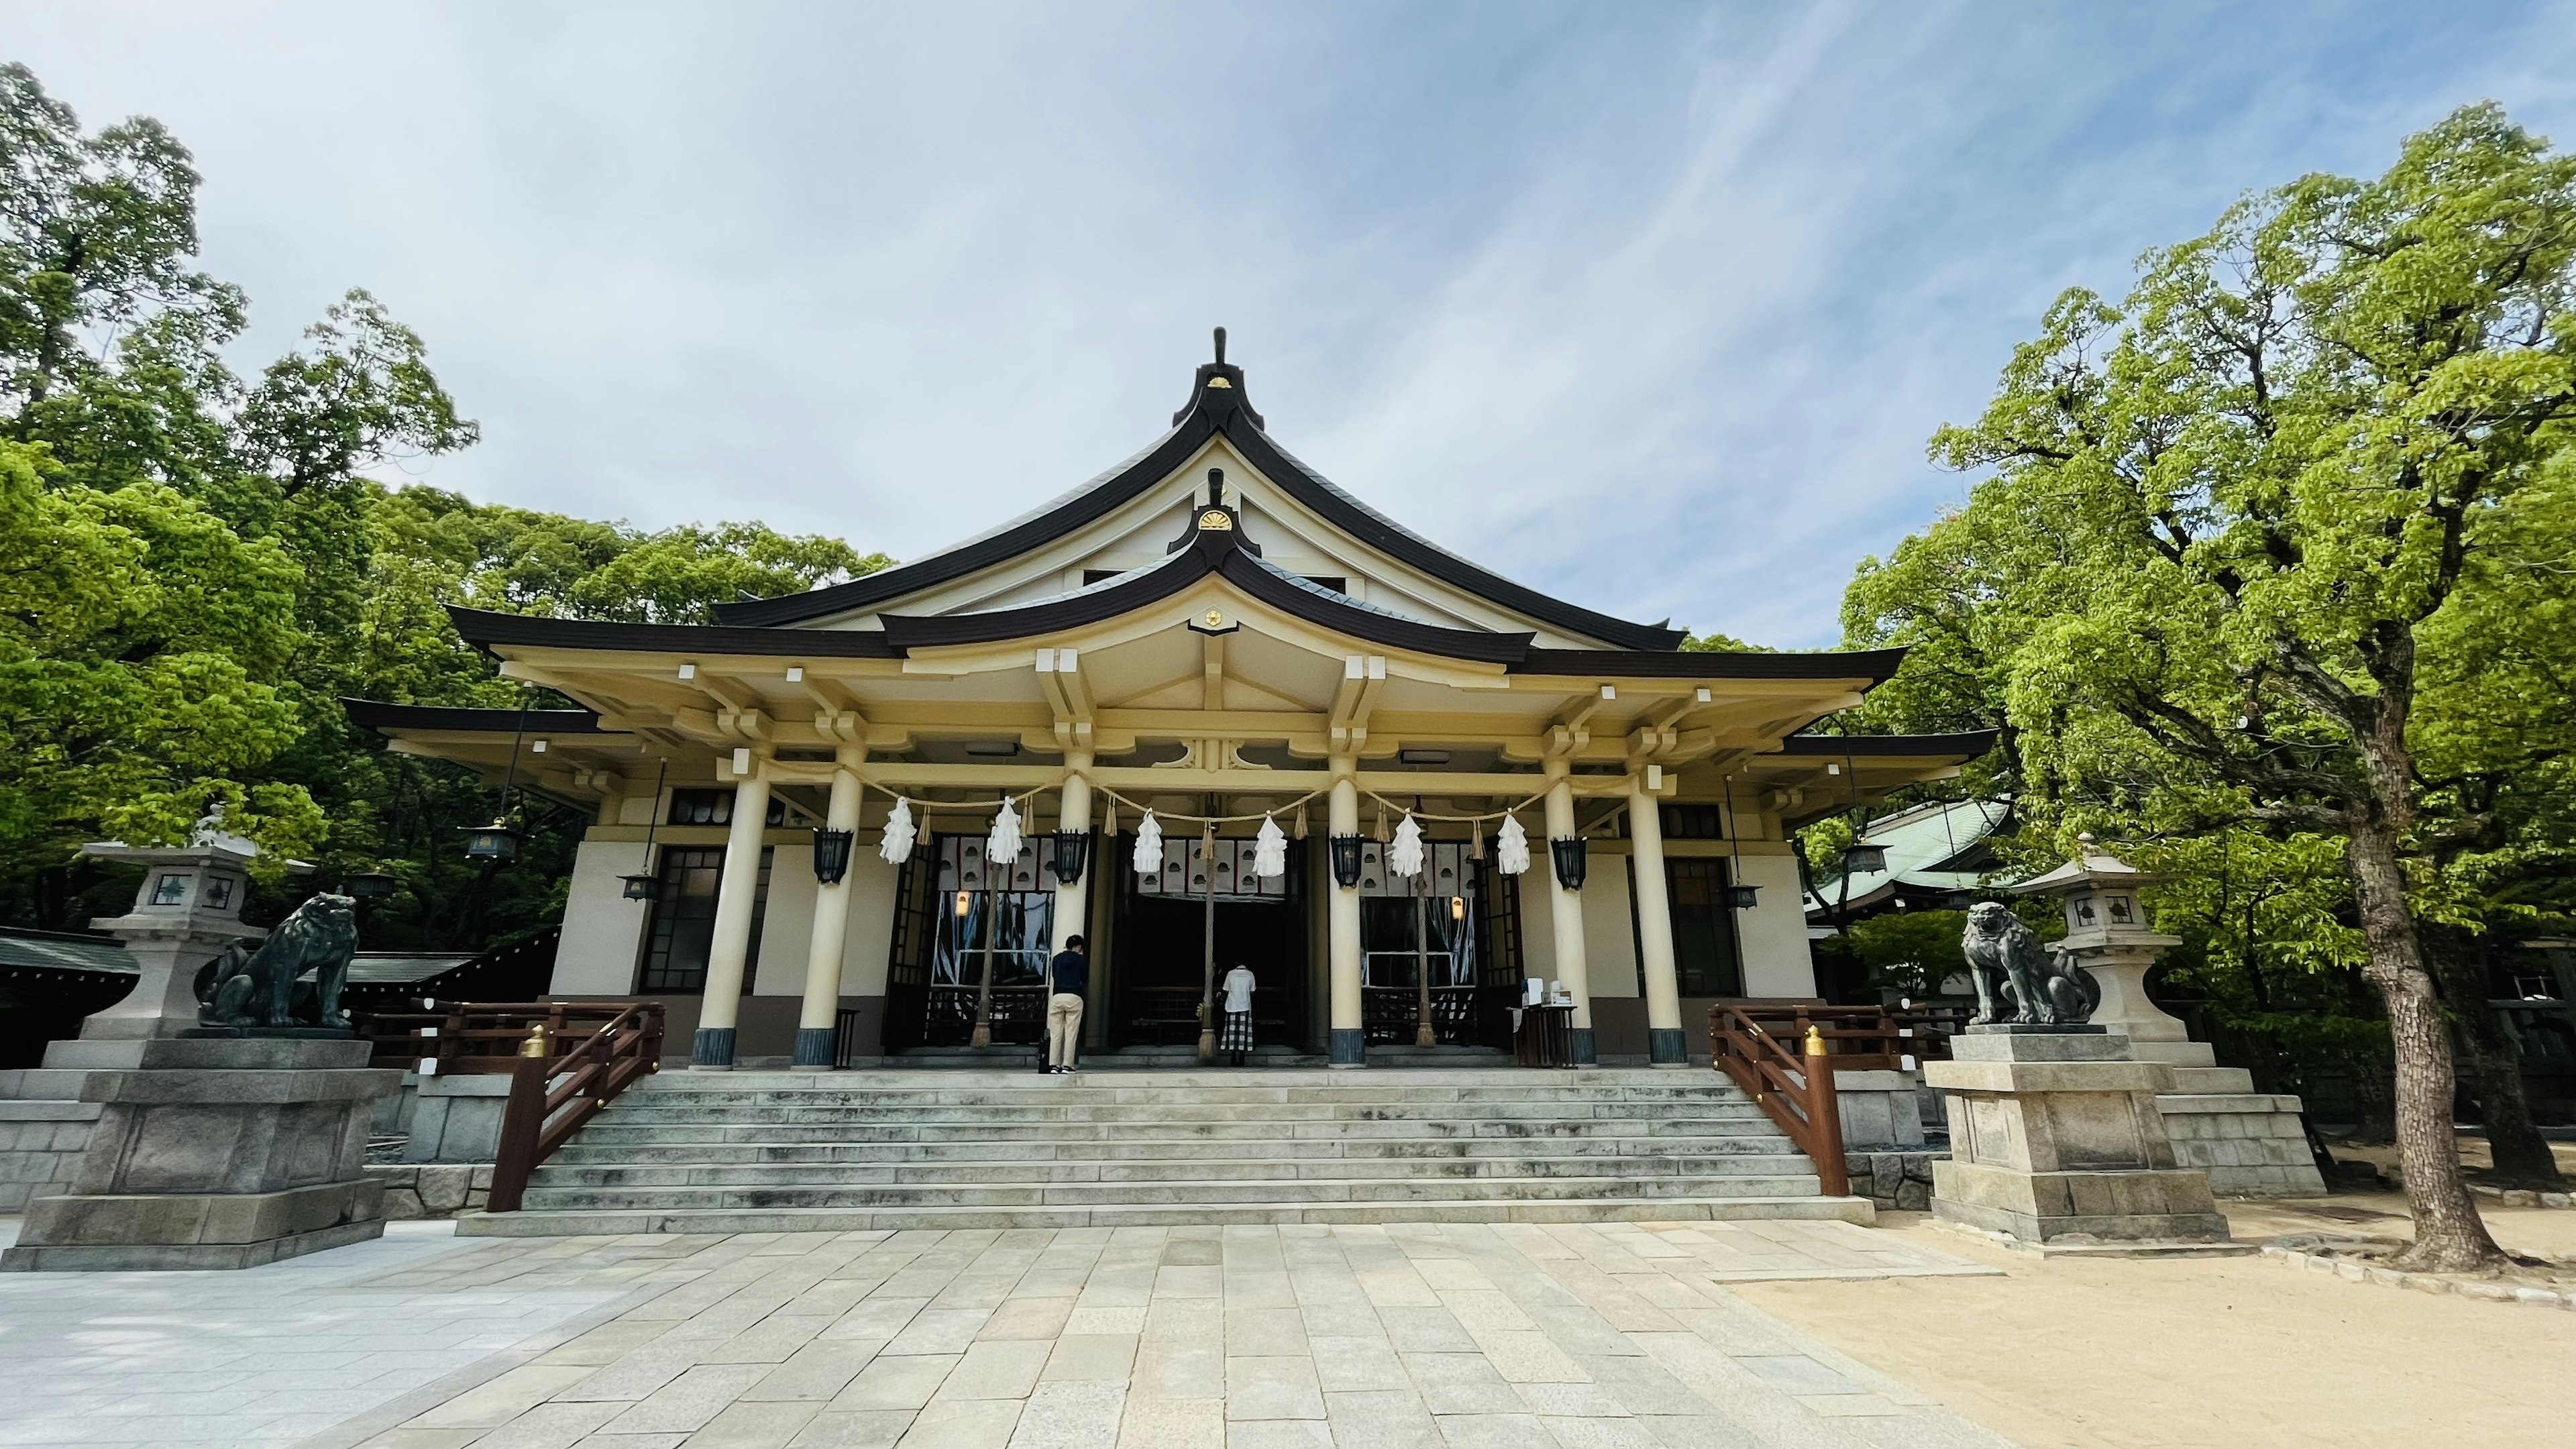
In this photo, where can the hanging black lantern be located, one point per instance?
(1741, 896)
(832, 855)
(1346, 860)
(496, 841)
(369, 885)
(641, 887)
(1571, 863)
(1072, 848)
(1862, 858)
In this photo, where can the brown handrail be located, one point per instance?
(553, 1094)
(1796, 1091)
(1861, 1038)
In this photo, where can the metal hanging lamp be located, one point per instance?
(1739, 896)
(1860, 855)
(646, 886)
(498, 841)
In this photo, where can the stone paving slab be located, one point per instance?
(1439, 1335)
(260, 1358)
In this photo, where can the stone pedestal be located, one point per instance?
(2056, 1141)
(214, 1153)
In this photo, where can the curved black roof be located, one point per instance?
(1966, 745)
(1216, 408)
(376, 714)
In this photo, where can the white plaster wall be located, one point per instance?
(1609, 932)
(787, 924)
(870, 941)
(1608, 950)
(1774, 933)
(601, 928)
(1538, 917)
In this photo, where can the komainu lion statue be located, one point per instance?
(265, 987)
(2018, 980)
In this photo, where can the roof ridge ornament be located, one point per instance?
(1217, 391)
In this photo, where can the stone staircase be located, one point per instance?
(775, 1152)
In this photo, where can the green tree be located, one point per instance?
(136, 636)
(194, 568)
(2255, 487)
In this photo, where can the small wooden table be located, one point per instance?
(1545, 1037)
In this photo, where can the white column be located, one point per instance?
(1073, 813)
(1566, 912)
(1665, 1041)
(818, 1021)
(1349, 1021)
(726, 957)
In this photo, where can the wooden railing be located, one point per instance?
(554, 1088)
(464, 1038)
(554, 1092)
(1859, 1038)
(1795, 1089)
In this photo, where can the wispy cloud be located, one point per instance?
(1652, 306)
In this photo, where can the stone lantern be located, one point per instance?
(187, 910)
(2107, 935)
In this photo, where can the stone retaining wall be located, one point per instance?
(432, 1189)
(1898, 1181)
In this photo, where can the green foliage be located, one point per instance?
(1716, 643)
(1911, 952)
(194, 568)
(2267, 581)
(134, 631)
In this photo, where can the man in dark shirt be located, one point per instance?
(1067, 975)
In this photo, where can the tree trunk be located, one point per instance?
(2449, 1236)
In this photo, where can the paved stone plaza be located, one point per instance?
(1508, 1335)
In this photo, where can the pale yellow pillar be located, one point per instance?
(1565, 913)
(1073, 813)
(1665, 1042)
(1349, 1019)
(818, 1021)
(721, 1006)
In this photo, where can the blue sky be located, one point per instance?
(1652, 306)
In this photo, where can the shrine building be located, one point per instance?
(1214, 633)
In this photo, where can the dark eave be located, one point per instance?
(484, 630)
(1214, 410)
(1874, 665)
(1219, 551)
(374, 714)
(1958, 748)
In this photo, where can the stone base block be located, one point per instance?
(2039, 1207)
(181, 1257)
(82, 1219)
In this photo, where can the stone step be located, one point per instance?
(1081, 1091)
(1179, 1114)
(46, 1084)
(1299, 1149)
(2212, 1081)
(557, 1173)
(1132, 1104)
(1077, 1194)
(1407, 1080)
(541, 1224)
(611, 1129)
(40, 1110)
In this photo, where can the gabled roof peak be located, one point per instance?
(1218, 390)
